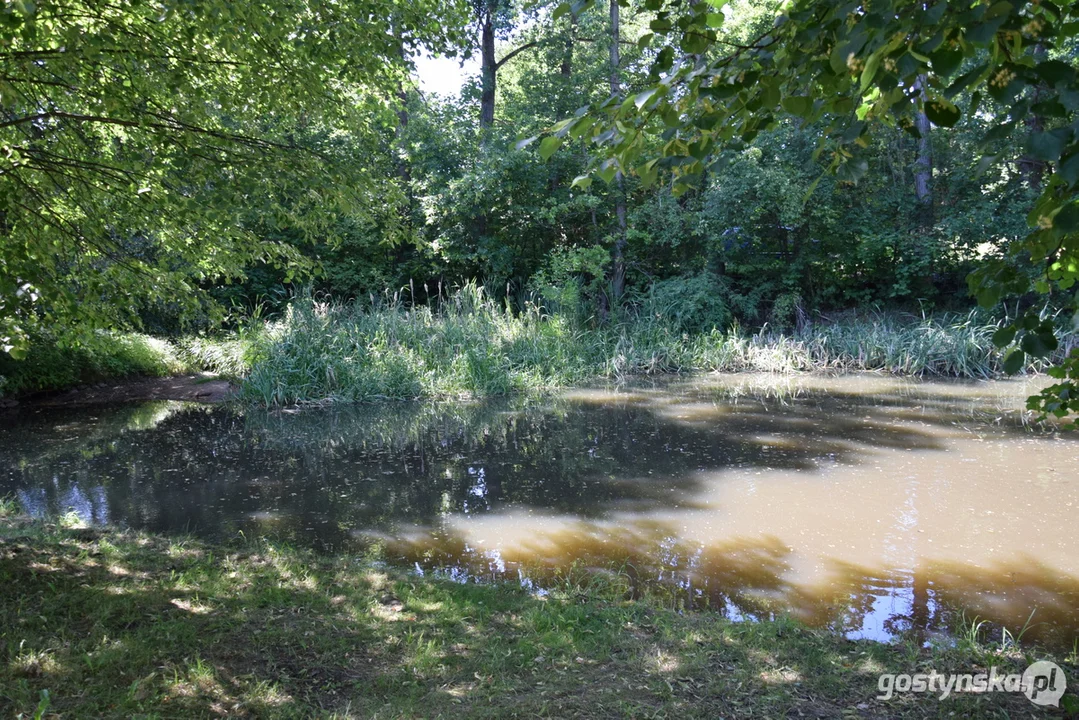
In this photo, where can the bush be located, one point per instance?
(693, 303)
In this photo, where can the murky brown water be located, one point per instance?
(873, 505)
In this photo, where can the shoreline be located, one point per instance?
(202, 387)
(211, 388)
(342, 353)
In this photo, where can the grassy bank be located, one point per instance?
(111, 624)
(56, 364)
(473, 346)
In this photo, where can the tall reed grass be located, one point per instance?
(322, 351)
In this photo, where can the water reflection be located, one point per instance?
(865, 504)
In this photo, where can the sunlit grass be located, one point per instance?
(57, 361)
(228, 356)
(473, 346)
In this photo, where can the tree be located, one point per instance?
(138, 137)
(618, 269)
(495, 17)
(854, 68)
(923, 165)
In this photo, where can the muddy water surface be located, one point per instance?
(873, 505)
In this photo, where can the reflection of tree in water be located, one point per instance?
(330, 475)
(318, 475)
(750, 578)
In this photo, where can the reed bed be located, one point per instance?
(326, 351)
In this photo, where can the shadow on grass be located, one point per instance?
(115, 625)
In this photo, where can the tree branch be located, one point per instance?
(516, 52)
(70, 116)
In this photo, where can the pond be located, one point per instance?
(871, 505)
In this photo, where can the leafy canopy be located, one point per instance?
(140, 141)
(852, 68)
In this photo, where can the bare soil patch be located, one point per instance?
(203, 387)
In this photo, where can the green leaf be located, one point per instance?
(644, 97)
(984, 163)
(1068, 168)
(664, 59)
(1007, 93)
(1030, 321)
(562, 9)
(798, 105)
(522, 144)
(1038, 344)
(1055, 72)
(853, 170)
(932, 44)
(694, 43)
(983, 33)
(648, 172)
(918, 56)
(975, 102)
(946, 62)
(942, 113)
(842, 51)
(581, 126)
(660, 26)
(1048, 145)
(1004, 336)
(607, 171)
(769, 95)
(1067, 220)
(561, 128)
(989, 295)
(714, 20)
(870, 70)
(1014, 361)
(548, 146)
(582, 181)
(970, 77)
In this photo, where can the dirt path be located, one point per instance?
(205, 387)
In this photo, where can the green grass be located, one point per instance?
(54, 364)
(227, 355)
(328, 351)
(473, 346)
(122, 624)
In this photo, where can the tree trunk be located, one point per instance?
(1031, 168)
(404, 172)
(567, 56)
(489, 69)
(618, 269)
(923, 165)
(488, 82)
(696, 56)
